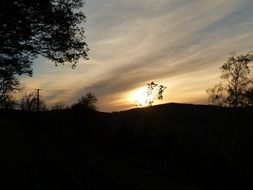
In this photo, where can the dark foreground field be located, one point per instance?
(172, 146)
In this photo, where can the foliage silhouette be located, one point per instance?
(50, 28)
(153, 92)
(86, 102)
(236, 87)
(59, 106)
(8, 85)
(8, 102)
(29, 103)
(32, 28)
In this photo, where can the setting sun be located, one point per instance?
(139, 97)
(144, 97)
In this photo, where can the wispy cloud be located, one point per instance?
(178, 43)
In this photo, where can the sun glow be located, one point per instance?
(144, 97)
(140, 97)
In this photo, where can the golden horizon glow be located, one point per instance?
(141, 98)
(134, 44)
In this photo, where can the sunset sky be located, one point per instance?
(177, 43)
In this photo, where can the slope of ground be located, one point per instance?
(172, 146)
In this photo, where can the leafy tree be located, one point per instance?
(30, 103)
(59, 106)
(50, 28)
(8, 85)
(236, 87)
(29, 28)
(154, 91)
(86, 102)
(8, 103)
(249, 97)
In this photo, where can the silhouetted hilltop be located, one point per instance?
(178, 146)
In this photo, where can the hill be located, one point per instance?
(175, 146)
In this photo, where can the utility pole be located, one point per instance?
(38, 99)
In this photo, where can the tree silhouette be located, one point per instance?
(86, 102)
(59, 106)
(29, 103)
(49, 28)
(8, 85)
(249, 97)
(236, 87)
(32, 28)
(153, 92)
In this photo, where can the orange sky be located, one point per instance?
(179, 44)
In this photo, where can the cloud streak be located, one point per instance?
(180, 44)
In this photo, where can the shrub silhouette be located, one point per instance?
(29, 103)
(59, 106)
(86, 102)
